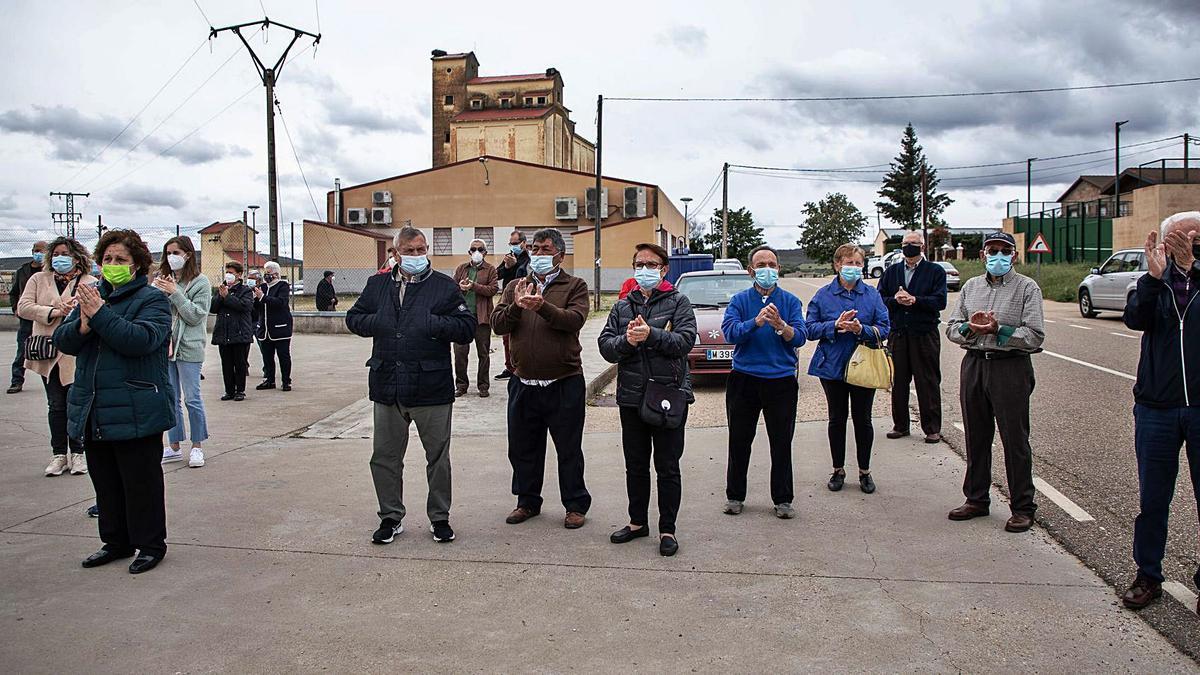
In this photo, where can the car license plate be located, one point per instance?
(720, 355)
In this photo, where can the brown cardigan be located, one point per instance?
(35, 306)
(486, 285)
(545, 344)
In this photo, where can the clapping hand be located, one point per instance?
(1178, 245)
(637, 331)
(64, 305)
(905, 298)
(509, 260)
(90, 301)
(773, 318)
(983, 323)
(847, 323)
(258, 293)
(165, 284)
(465, 285)
(223, 290)
(527, 297)
(1156, 255)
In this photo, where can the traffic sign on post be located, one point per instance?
(1039, 245)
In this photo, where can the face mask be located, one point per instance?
(250, 283)
(541, 264)
(95, 270)
(646, 277)
(516, 249)
(230, 277)
(413, 264)
(1196, 251)
(766, 277)
(999, 264)
(477, 257)
(850, 273)
(38, 257)
(117, 275)
(176, 261)
(911, 250)
(62, 263)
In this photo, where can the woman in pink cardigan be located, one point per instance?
(48, 298)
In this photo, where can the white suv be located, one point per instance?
(876, 265)
(1109, 286)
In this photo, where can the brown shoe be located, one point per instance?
(520, 515)
(896, 433)
(933, 438)
(967, 511)
(483, 393)
(574, 520)
(459, 393)
(1020, 522)
(1142, 592)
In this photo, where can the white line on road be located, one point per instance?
(1102, 369)
(1049, 320)
(1062, 500)
(1075, 325)
(1181, 593)
(960, 427)
(1135, 337)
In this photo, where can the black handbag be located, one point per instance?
(40, 348)
(663, 405)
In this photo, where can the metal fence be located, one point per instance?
(1074, 231)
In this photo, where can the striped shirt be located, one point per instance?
(1017, 302)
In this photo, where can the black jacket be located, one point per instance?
(928, 285)
(326, 297)
(410, 350)
(521, 269)
(273, 316)
(1170, 351)
(234, 325)
(672, 335)
(20, 278)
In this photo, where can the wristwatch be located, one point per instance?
(779, 332)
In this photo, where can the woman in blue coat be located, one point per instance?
(840, 316)
(122, 401)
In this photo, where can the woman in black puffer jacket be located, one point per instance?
(650, 331)
(233, 332)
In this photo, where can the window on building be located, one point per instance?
(528, 100)
(506, 103)
(488, 236)
(443, 241)
(477, 104)
(447, 137)
(449, 100)
(541, 100)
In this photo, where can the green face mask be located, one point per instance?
(117, 275)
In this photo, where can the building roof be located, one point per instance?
(219, 227)
(531, 77)
(374, 234)
(256, 259)
(490, 158)
(1138, 177)
(501, 114)
(1098, 181)
(605, 226)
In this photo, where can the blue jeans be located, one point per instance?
(185, 380)
(1158, 435)
(24, 330)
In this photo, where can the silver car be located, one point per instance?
(1109, 286)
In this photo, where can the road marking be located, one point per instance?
(810, 283)
(1181, 593)
(1102, 369)
(1075, 325)
(1049, 320)
(1062, 500)
(1135, 337)
(960, 427)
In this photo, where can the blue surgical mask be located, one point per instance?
(541, 264)
(850, 273)
(516, 249)
(38, 257)
(766, 277)
(999, 264)
(62, 263)
(413, 264)
(647, 278)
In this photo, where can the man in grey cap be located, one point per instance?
(998, 321)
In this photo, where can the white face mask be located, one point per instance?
(230, 277)
(476, 257)
(176, 261)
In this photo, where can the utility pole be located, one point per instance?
(246, 243)
(1029, 189)
(599, 215)
(269, 77)
(1186, 143)
(924, 216)
(1116, 175)
(69, 217)
(100, 227)
(725, 210)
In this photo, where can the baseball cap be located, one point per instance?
(1000, 236)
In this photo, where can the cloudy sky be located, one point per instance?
(77, 73)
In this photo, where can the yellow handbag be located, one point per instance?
(870, 367)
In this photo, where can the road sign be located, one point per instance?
(1039, 245)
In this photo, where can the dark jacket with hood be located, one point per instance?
(235, 320)
(1168, 374)
(663, 354)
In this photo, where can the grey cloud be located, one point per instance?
(8, 204)
(149, 195)
(691, 40)
(362, 115)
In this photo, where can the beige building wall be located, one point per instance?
(522, 140)
(1150, 206)
(352, 256)
(213, 247)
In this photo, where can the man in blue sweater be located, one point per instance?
(765, 324)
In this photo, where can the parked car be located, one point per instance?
(709, 293)
(1109, 286)
(953, 280)
(727, 264)
(877, 264)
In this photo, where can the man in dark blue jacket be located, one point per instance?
(412, 316)
(915, 295)
(1166, 409)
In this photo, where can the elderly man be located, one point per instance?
(25, 327)
(998, 321)
(478, 282)
(543, 314)
(1166, 410)
(915, 295)
(412, 316)
(514, 266)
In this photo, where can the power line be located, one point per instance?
(197, 4)
(897, 97)
(317, 7)
(297, 156)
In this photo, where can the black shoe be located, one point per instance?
(144, 563)
(837, 480)
(625, 534)
(239, 396)
(388, 529)
(459, 393)
(504, 374)
(227, 397)
(105, 556)
(287, 386)
(667, 546)
(865, 483)
(897, 433)
(265, 384)
(441, 531)
(93, 511)
(16, 387)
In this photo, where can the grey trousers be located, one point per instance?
(387, 460)
(483, 346)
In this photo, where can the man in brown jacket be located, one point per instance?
(542, 315)
(478, 281)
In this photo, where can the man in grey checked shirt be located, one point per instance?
(998, 321)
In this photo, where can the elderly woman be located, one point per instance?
(274, 330)
(49, 296)
(121, 402)
(190, 293)
(841, 315)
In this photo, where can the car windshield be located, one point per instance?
(714, 290)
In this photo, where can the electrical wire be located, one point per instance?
(317, 7)
(295, 154)
(206, 20)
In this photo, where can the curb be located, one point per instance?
(596, 386)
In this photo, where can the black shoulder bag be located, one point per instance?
(663, 405)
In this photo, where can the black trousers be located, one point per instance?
(24, 330)
(272, 348)
(128, 479)
(746, 396)
(56, 402)
(483, 347)
(532, 412)
(234, 366)
(846, 399)
(640, 442)
(995, 394)
(917, 358)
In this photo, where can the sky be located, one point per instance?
(357, 107)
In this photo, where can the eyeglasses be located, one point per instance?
(647, 266)
(478, 249)
(1007, 250)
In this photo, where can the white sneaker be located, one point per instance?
(78, 464)
(171, 455)
(57, 466)
(196, 459)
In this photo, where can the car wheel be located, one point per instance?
(876, 273)
(1085, 304)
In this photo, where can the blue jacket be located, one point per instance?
(757, 350)
(928, 285)
(121, 386)
(834, 351)
(1170, 342)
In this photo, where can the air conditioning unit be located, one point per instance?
(591, 203)
(566, 208)
(635, 202)
(356, 216)
(381, 197)
(381, 216)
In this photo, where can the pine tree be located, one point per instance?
(901, 191)
(828, 224)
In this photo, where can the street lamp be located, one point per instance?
(246, 238)
(1116, 176)
(687, 224)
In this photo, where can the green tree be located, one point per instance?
(901, 192)
(828, 224)
(743, 235)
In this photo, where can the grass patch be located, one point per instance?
(1059, 281)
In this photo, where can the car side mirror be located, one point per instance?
(1096, 270)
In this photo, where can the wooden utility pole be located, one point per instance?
(924, 215)
(599, 215)
(1186, 143)
(725, 210)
